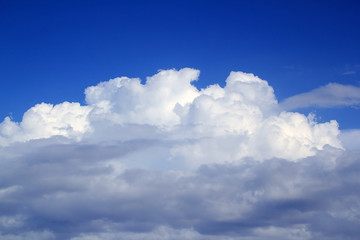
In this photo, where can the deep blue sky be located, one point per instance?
(50, 51)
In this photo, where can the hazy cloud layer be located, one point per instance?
(164, 160)
(331, 95)
(84, 192)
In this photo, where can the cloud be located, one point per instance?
(44, 121)
(350, 139)
(126, 100)
(331, 95)
(42, 235)
(164, 160)
(349, 73)
(167, 106)
(75, 195)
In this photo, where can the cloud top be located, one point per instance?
(170, 106)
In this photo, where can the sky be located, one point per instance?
(192, 120)
(50, 51)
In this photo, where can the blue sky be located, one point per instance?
(50, 51)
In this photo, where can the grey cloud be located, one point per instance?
(331, 95)
(72, 191)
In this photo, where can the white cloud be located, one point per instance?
(350, 139)
(164, 160)
(44, 121)
(168, 106)
(331, 95)
(125, 100)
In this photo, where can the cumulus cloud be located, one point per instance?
(165, 160)
(331, 95)
(44, 121)
(168, 106)
(125, 100)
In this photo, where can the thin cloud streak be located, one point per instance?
(331, 95)
(349, 73)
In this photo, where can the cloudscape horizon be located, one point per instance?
(162, 159)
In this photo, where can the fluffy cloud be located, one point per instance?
(164, 160)
(328, 96)
(44, 121)
(168, 106)
(125, 100)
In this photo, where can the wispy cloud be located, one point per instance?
(349, 73)
(331, 95)
(164, 160)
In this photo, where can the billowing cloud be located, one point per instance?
(331, 95)
(164, 160)
(44, 121)
(168, 106)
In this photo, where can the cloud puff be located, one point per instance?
(331, 95)
(44, 121)
(125, 100)
(164, 160)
